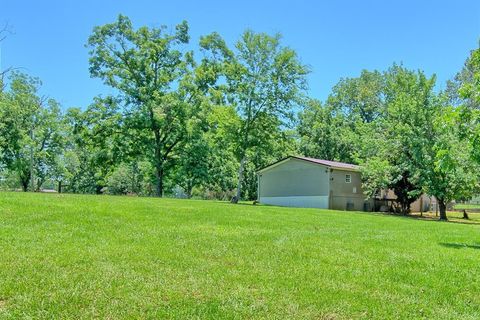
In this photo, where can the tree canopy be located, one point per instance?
(200, 125)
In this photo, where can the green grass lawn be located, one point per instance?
(467, 206)
(453, 216)
(83, 257)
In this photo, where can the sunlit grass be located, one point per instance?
(467, 206)
(83, 257)
(453, 216)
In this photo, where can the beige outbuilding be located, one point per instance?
(312, 183)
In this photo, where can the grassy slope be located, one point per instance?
(73, 256)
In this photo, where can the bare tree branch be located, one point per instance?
(4, 31)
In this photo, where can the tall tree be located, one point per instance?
(385, 147)
(30, 131)
(49, 141)
(153, 74)
(361, 122)
(444, 164)
(264, 82)
(410, 104)
(222, 162)
(95, 145)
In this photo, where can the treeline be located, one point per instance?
(199, 120)
(405, 136)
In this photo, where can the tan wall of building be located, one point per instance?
(347, 195)
(421, 204)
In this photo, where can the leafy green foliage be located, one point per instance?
(154, 77)
(445, 166)
(360, 99)
(469, 81)
(324, 133)
(30, 130)
(468, 86)
(201, 127)
(95, 146)
(264, 82)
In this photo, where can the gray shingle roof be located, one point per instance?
(328, 163)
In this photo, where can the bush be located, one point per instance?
(132, 178)
(120, 181)
(9, 180)
(212, 194)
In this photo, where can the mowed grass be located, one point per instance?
(453, 216)
(467, 206)
(83, 257)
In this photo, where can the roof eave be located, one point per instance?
(271, 166)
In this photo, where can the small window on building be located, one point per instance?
(348, 178)
(354, 189)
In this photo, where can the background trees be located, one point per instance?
(395, 125)
(201, 126)
(323, 132)
(468, 85)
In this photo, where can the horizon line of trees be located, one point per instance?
(182, 125)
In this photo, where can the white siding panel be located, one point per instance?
(297, 201)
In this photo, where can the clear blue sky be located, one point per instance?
(336, 38)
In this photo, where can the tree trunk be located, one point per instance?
(443, 209)
(159, 182)
(421, 206)
(405, 208)
(32, 173)
(39, 185)
(158, 159)
(59, 186)
(25, 185)
(240, 180)
(25, 180)
(189, 189)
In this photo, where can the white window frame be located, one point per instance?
(348, 178)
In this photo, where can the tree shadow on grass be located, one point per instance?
(430, 217)
(459, 245)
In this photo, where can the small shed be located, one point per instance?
(312, 183)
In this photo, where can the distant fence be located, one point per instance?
(475, 200)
